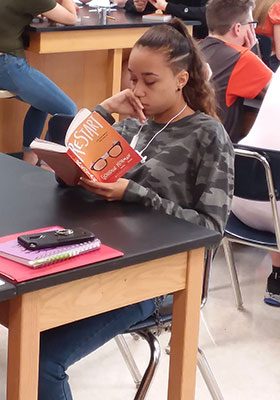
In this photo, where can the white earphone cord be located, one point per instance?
(136, 137)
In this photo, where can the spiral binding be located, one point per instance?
(57, 255)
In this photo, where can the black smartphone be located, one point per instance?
(59, 237)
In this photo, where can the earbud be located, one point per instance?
(143, 159)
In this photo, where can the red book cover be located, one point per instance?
(93, 148)
(102, 151)
(17, 272)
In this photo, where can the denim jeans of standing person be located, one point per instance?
(34, 88)
(63, 346)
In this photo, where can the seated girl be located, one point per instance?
(187, 173)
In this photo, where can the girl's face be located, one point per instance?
(155, 84)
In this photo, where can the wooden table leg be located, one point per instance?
(114, 74)
(185, 330)
(23, 348)
(114, 71)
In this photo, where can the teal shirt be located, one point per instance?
(15, 16)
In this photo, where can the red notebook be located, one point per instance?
(16, 272)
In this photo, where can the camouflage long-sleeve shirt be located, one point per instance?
(189, 168)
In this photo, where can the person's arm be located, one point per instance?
(250, 78)
(180, 10)
(274, 19)
(263, 91)
(64, 12)
(213, 190)
(276, 34)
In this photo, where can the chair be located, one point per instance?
(5, 94)
(148, 330)
(57, 128)
(257, 177)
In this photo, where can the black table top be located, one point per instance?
(30, 199)
(88, 20)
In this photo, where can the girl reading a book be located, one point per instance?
(187, 172)
(18, 77)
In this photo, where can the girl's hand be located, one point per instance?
(126, 103)
(159, 4)
(109, 191)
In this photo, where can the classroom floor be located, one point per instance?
(242, 347)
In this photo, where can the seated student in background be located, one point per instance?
(267, 12)
(17, 76)
(237, 73)
(258, 214)
(184, 9)
(188, 173)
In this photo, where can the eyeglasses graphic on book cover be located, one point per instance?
(114, 151)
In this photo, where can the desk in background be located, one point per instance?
(85, 60)
(163, 255)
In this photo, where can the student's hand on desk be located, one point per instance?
(126, 103)
(140, 5)
(109, 191)
(159, 4)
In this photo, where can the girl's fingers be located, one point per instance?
(141, 116)
(135, 101)
(96, 186)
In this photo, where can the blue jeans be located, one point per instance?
(63, 346)
(34, 88)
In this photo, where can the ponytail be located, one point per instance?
(182, 52)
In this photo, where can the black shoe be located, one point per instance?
(272, 294)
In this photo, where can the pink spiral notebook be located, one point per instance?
(17, 272)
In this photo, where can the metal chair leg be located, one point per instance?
(208, 376)
(129, 360)
(153, 363)
(233, 274)
(144, 383)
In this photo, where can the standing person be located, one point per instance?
(267, 12)
(237, 73)
(17, 76)
(184, 9)
(188, 173)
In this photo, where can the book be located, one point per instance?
(39, 258)
(157, 17)
(93, 148)
(17, 272)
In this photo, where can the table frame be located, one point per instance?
(28, 314)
